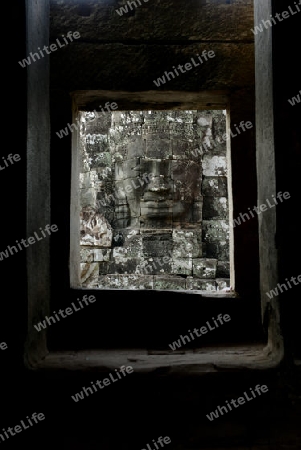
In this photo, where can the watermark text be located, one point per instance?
(280, 17)
(241, 401)
(49, 320)
(11, 250)
(9, 160)
(203, 330)
(119, 374)
(177, 71)
(53, 48)
(259, 209)
(24, 425)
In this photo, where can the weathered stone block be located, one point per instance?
(88, 197)
(223, 269)
(215, 230)
(222, 284)
(158, 148)
(121, 264)
(105, 174)
(183, 149)
(161, 21)
(215, 208)
(218, 250)
(200, 285)
(214, 166)
(210, 186)
(197, 213)
(125, 282)
(169, 282)
(100, 254)
(218, 125)
(136, 282)
(181, 116)
(224, 250)
(182, 266)
(187, 178)
(86, 180)
(223, 186)
(109, 282)
(123, 252)
(184, 130)
(89, 274)
(98, 123)
(186, 244)
(86, 255)
(204, 267)
(210, 250)
(95, 145)
(153, 130)
(125, 118)
(157, 245)
(204, 119)
(104, 267)
(215, 186)
(135, 147)
(131, 245)
(152, 266)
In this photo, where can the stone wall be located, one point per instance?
(118, 58)
(154, 200)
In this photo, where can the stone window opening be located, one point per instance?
(154, 208)
(52, 270)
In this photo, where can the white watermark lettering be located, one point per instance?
(53, 48)
(124, 370)
(259, 209)
(279, 288)
(11, 250)
(24, 425)
(144, 179)
(9, 160)
(184, 68)
(293, 101)
(161, 440)
(280, 17)
(207, 146)
(203, 330)
(240, 400)
(76, 126)
(124, 9)
(3, 346)
(49, 320)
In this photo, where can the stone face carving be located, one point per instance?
(144, 181)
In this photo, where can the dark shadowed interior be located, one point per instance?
(188, 351)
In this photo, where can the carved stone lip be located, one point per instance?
(156, 204)
(156, 197)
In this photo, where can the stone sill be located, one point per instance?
(204, 294)
(197, 362)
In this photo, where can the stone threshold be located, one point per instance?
(200, 293)
(192, 362)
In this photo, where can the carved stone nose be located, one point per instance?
(158, 184)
